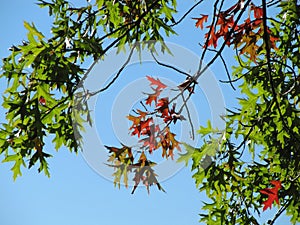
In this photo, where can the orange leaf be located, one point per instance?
(213, 38)
(272, 194)
(142, 113)
(153, 97)
(200, 21)
(156, 82)
(250, 48)
(163, 106)
(135, 120)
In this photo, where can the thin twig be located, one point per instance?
(169, 66)
(269, 70)
(185, 15)
(189, 116)
(118, 74)
(225, 66)
(280, 211)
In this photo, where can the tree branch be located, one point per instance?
(118, 73)
(188, 12)
(169, 66)
(200, 72)
(225, 66)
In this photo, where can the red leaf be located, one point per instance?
(139, 126)
(153, 97)
(258, 12)
(225, 24)
(42, 100)
(145, 125)
(213, 38)
(163, 106)
(142, 128)
(150, 141)
(272, 194)
(156, 82)
(200, 21)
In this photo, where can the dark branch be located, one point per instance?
(225, 66)
(188, 12)
(118, 73)
(169, 66)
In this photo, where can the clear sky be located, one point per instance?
(76, 194)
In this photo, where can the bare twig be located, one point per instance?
(189, 115)
(117, 75)
(212, 26)
(280, 211)
(225, 66)
(269, 71)
(185, 15)
(169, 66)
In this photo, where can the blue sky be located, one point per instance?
(76, 194)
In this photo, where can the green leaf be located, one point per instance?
(18, 159)
(33, 32)
(188, 155)
(207, 130)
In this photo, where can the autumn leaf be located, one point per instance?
(121, 154)
(150, 141)
(213, 38)
(258, 12)
(153, 97)
(142, 113)
(145, 173)
(250, 48)
(42, 101)
(163, 107)
(142, 127)
(272, 194)
(225, 24)
(156, 82)
(200, 21)
(168, 143)
(142, 159)
(135, 120)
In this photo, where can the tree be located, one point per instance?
(44, 74)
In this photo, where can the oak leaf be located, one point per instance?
(213, 38)
(200, 21)
(156, 82)
(272, 194)
(153, 97)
